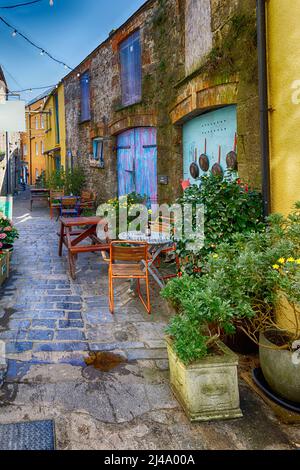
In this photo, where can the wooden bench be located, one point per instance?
(39, 194)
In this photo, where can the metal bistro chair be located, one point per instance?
(133, 264)
(70, 206)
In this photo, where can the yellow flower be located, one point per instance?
(150, 211)
(276, 266)
(215, 256)
(298, 261)
(281, 260)
(291, 260)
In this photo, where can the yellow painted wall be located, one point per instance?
(283, 39)
(35, 134)
(51, 140)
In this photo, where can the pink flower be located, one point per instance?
(3, 236)
(7, 229)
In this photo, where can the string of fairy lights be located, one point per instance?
(43, 52)
(24, 4)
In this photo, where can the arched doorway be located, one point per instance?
(137, 162)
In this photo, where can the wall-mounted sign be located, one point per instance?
(210, 143)
(6, 206)
(12, 116)
(163, 179)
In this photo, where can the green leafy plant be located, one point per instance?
(239, 287)
(230, 207)
(56, 180)
(74, 181)
(125, 203)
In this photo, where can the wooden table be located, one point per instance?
(72, 239)
(38, 194)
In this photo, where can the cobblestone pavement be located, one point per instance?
(50, 324)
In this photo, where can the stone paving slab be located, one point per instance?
(51, 323)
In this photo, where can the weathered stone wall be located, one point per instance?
(226, 75)
(162, 40)
(80, 135)
(198, 33)
(247, 96)
(177, 37)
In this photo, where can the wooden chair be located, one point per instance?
(88, 200)
(54, 201)
(126, 262)
(165, 226)
(70, 206)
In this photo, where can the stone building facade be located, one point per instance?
(177, 79)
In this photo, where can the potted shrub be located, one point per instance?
(230, 207)
(254, 273)
(203, 371)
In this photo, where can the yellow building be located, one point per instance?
(283, 73)
(33, 140)
(55, 140)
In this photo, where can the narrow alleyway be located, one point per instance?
(50, 324)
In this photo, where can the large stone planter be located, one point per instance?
(280, 369)
(208, 389)
(286, 317)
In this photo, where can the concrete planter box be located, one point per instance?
(280, 369)
(208, 389)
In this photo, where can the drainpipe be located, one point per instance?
(7, 164)
(263, 103)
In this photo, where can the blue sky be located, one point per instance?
(69, 30)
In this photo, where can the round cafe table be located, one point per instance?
(157, 243)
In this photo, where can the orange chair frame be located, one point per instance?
(138, 252)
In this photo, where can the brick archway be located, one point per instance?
(199, 96)
(132, 121)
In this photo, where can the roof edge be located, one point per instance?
(143, 7)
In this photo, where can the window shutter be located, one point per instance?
(131, 69)
(85, 97)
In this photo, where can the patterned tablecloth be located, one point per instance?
(156, 238)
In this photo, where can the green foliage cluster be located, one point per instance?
(237, 50)
(72, 181)
(241, 282)
(125, 202)
(230, 207)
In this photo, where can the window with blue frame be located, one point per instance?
(131, 69)
(85, 97)
(98, 157)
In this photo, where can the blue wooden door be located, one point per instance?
(137, 163)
